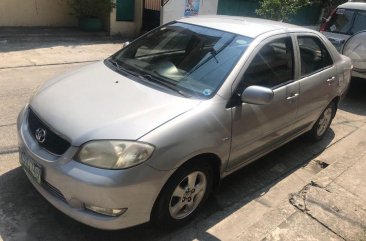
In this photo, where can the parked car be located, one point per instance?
(148, 133)
(346, 21)
(355, 49)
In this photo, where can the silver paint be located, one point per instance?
(97, 103)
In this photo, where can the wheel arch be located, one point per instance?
(210, 158)
(336, 101)
(213, 160)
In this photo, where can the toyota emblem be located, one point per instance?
(41, 135)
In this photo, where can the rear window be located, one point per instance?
(314, 55)
(347, 21)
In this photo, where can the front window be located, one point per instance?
(273, 65)
(193, 59)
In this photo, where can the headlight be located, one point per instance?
(114, 154)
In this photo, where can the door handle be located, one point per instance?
(331, 80)
(294, 96)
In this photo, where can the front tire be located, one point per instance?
(183, 195)
(322, 124)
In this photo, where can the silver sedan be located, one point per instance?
(147, 134)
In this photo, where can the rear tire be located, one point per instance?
(183, 195)
(322, 124)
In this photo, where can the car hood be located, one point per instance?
(98, 103)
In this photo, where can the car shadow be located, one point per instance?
(26, 215)
(355, 100)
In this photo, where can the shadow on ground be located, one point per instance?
(355, 101)
(26, 215)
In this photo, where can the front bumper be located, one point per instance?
(69, 185)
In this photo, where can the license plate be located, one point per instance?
(31, 167)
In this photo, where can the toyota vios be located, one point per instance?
(148, 133)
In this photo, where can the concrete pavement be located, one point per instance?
(336, 197)
(57, 55)
(302, 191)
(329, 205)
(16, 53)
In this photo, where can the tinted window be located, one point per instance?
(341, 21)
(193, 59)
(272, 66)
(166, 41)
(360, 23)
(314, 55)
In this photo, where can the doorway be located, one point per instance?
(151, 14)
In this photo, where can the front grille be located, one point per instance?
(53, 190)
(52, 142)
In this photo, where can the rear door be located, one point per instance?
(257, 129)
(318, 78)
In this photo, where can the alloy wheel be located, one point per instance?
(324, 121)
(188, 195)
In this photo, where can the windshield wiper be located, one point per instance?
(148, 78)
(213, 53)
(115, 63)
(163, 83)
(120, 68)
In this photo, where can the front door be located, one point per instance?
(256, 129)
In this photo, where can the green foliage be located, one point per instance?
(280, 10)
(91, 8)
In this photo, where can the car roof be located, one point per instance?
(353, 5)
(250, 27)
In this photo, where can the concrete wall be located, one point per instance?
(175, 9)
(35, 13)
(127, 29)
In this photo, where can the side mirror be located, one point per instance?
(257, 95)
(125, 44)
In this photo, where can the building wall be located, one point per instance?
(238, 8)
(35, 13)
(127, 28)
(175, 9)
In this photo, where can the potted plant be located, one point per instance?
(91, 12)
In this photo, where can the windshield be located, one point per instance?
(192, 59)
(347, 21)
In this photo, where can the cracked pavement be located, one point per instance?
(302, 191)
